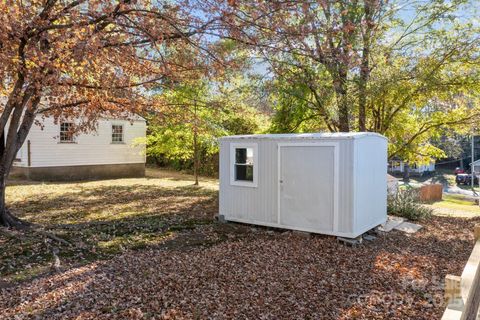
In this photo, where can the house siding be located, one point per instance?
(93, 148)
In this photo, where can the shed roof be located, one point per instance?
(315, 135)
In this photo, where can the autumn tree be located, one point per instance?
(88, 59)
(407, 70)
(300, 39)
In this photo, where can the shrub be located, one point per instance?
(405, 203)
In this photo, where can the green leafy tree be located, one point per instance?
(194, 115)
(368, 66)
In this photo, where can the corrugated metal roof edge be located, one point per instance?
(306, 136)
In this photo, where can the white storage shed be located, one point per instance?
(328, 183)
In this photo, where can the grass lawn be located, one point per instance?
(457, 206)
(150, 248)
(101, 218)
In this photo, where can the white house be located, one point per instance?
(398, 166)
(52, 152)
(329, 183)
(476, 167)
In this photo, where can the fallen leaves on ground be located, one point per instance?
(189, 267)
(257, 274)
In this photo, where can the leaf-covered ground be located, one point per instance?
(100, 218)
(149, 248)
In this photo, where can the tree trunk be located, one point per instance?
(10, 143)
(362, 107)
(406, 172)
(365, 66)
(195, 146)
(339, 85)
(6, 218)
(195, 157)
(362, 89)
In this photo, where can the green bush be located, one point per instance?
(406, 204)
(208, 163)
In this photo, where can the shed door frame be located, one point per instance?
(336, 166)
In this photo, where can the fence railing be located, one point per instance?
(463, 293)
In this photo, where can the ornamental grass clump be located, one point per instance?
(406, 204)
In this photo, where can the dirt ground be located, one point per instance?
(150, 249)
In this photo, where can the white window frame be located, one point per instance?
(123, 133)
(60, 133)
(242, 183)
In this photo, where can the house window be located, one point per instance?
(117, 133)
(66, 132)
(244, 165)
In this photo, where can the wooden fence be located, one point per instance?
(431, 192)
(463, 293)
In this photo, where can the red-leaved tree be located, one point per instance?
(88, 59)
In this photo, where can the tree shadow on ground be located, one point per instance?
(441, 179)
(96, 203)
(102, 222)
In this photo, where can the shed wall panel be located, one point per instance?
(345, 219)
(250, 203)
(371, 182)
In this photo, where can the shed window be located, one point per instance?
(66, 132)
(117, 133)
(244, 163)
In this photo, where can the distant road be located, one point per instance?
(457, 190)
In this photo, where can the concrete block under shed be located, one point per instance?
(350, 241)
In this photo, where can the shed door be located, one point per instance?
(306, 188)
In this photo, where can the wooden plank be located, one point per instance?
(476, 233)
(470, 271)
(452, 288)
(463, 293)
(451, 314)
(472, 305)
